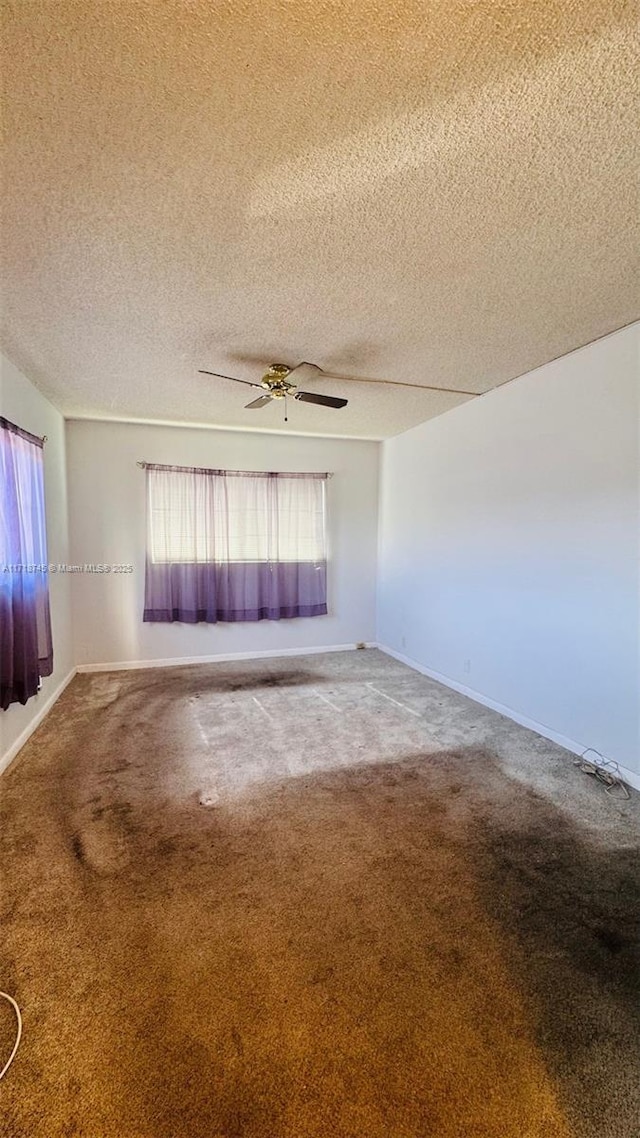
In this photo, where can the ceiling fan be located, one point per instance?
(276, 384)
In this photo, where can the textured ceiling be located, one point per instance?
(440, 192)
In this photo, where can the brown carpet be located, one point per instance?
(398, 915)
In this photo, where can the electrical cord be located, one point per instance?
(605, 771)
(12, 1056)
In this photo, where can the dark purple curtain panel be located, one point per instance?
(234, 546)
(26, 651)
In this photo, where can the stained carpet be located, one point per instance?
(318, 897)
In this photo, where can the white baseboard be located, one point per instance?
(630, 777)
(228, 657)
(19, 743)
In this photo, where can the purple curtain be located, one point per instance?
(26, 652)
(234, 545)
(252, 591)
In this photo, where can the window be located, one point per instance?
(212, 516)
(26, 652)
(233, 545)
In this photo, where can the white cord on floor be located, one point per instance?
(606, 771)
(18, 1036)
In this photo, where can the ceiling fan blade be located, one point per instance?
(231, 377)
(261, 401)
(323, 400)
(313, 371)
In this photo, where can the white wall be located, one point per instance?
(509, 541)
(107, 525)
(23, 404)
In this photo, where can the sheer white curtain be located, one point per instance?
(234, 545)
(202, 516)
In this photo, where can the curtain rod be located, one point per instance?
(38, 440)
(301, 473)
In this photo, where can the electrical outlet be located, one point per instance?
(467, 665)
(404, 642)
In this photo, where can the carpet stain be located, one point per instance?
(411, 944)
(570, 908)
(238, 683)
(76, 846)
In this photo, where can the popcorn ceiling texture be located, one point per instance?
(441, 193)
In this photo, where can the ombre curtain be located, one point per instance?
(226, 545)
(26, 651)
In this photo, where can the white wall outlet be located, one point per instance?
(467, 665)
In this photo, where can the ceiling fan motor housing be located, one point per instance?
(275, 381)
